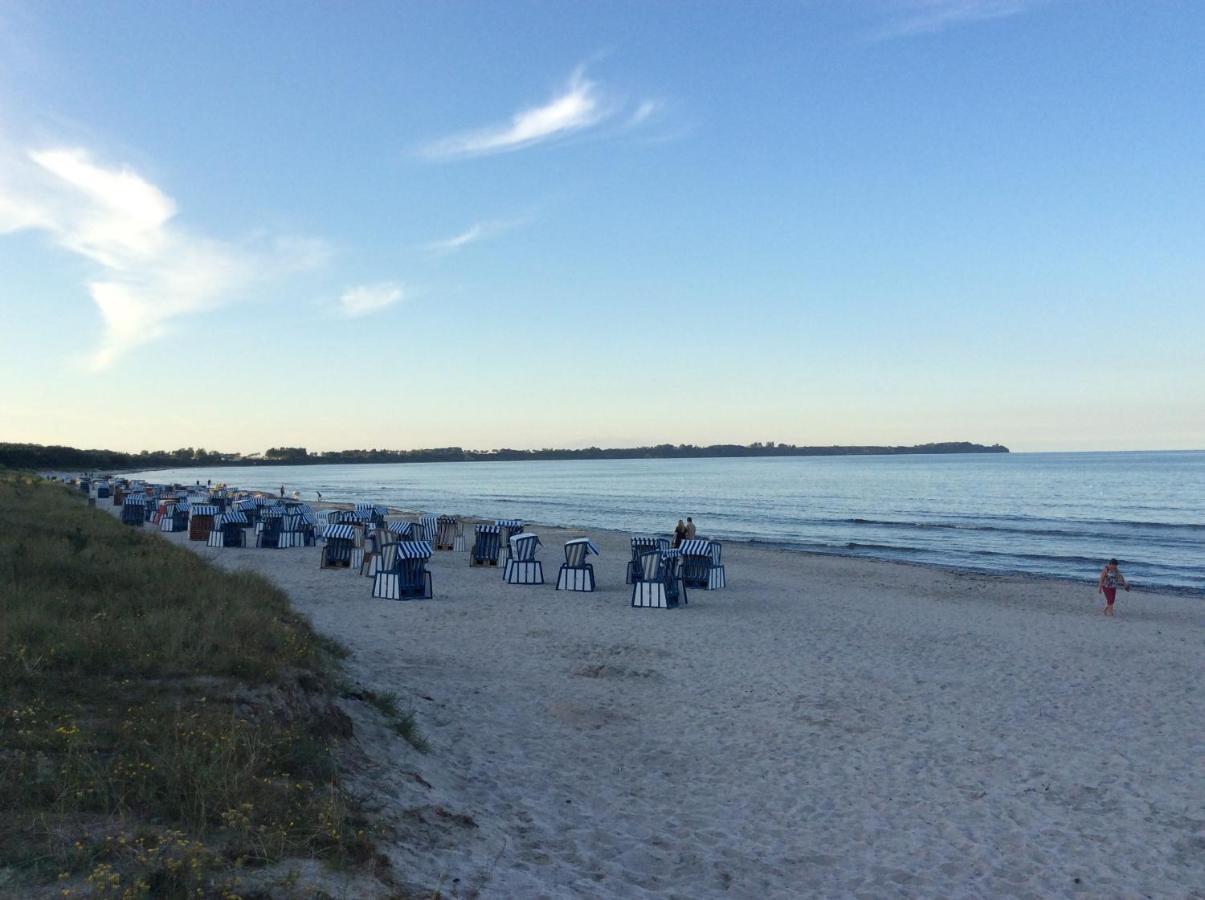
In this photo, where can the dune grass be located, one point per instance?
(164, 725)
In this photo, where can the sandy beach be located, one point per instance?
(822, 727)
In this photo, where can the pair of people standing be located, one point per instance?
(684, 531)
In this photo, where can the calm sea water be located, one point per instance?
(1059, 514)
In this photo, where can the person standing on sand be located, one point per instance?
(1110, 578)
(679, 533)
(282, 491)
(690, 528)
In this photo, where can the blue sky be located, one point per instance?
(239, 225)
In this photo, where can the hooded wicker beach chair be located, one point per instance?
(508, 529)
(485, 545)
(228, 530)
(271, 521)
(576, 574)
(175, 518)
(522, 567)
(200, 520)
(402, 531)
(445, 532)
(429, 523)
(407, 577)
(133, 509)
(701, 566)
(660, 585)
(338, 541)
(642, 544)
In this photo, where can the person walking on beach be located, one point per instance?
(1110, 578)
(679, 534)
(282, 491)
(690, 528)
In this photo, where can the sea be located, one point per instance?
(1048, 514)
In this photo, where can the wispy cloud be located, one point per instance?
(914, 17)
(581, 104)
(366, 299)
(646, 110)
(149, 270)
(478, 231)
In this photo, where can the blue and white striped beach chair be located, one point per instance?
(341, 517)
(576, 574)
(228, 530)
(660, 585)
(445, 532)
(407, 578)
(509, 528)
(701, 566)
(133, 509)
(338, 541)
(522, 567)
(405, 531)
(175, 518)
(369, 512)
(429, 522)
(292, 530)
(485, 545)
(642, 544)
(269, 528)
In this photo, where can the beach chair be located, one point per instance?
(292, 530)
(701, 566)
(641, 545)
(485, 545)
(429, 523)
(200, 520)
(522, 567)
(508, 529)
(102, 491)
(576, 574)
(458, 543)
(370, 513)
(228, 530)
(407, 578)
(268, 532)
(133, 510)
(445, 532)
(402, 531)
(336, 549)
(175, 517)
(660, 585)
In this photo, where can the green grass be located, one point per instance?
(389, 705)
(163, 724)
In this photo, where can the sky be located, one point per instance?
(553, 224)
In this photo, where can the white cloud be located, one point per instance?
(478, 231)
(151, 270)
(929, 16)
(645, 110)
(580, 105)
(366, 299)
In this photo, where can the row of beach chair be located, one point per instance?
(395, 554)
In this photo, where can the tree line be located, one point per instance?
(37, 456)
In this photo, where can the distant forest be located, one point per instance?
(36, 456)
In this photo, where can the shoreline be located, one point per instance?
(786, 546)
